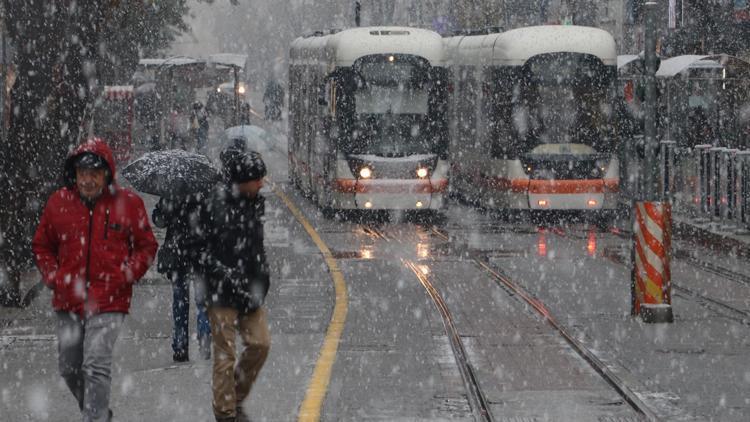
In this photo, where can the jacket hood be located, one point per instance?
(93, 145)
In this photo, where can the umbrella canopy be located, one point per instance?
(171, 172)
(256, 138)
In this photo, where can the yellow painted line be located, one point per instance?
(321, 377)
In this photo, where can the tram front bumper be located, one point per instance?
(374, 194)
(573, 194)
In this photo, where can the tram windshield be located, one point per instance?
(563, 99)
(395, 109)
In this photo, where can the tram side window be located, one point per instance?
(345, 85)
(294, 109)
(740, 90)
(500, 107)
(466, 108)
(437, 124)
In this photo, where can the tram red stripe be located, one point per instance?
(505, 184)
(573, 186)
(377, 186)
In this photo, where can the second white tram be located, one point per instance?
(368, 118)
(533, 118)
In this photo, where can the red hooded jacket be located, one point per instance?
(92, 257)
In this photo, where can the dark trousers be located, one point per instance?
(181, 311)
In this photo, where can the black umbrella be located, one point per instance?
(171, 172)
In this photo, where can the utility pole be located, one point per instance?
(3, 78)
(651, 174)
(652, 225)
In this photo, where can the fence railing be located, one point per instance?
(707, 183)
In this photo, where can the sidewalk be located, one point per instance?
(147, 385)
(143, 371)
(711, 235)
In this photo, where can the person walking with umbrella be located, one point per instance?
(93, 243)
(180, 213)
(238, 281)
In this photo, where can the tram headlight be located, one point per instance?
(601, 167)
(422, 172)
(365, 173)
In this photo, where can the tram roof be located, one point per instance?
(228, 59)
(517, 46)
(170, 61)
(344, 47)
(675, 65)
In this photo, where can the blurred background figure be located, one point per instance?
(199, 125)
(273, 100)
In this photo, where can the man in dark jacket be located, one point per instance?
(238, 280)
(92, 244)
(178, 255)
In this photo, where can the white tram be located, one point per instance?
(533, 118)
(368, 118)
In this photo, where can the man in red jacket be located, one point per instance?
(92, 244)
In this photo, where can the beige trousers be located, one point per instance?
(232, 379)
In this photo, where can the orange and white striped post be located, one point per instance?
(652, 213)
(652, 236)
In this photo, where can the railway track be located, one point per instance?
(475, 394)
(740, 315)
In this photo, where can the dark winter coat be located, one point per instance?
(182, 245)
(235, 258)
(91, 257)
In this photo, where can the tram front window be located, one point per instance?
(563, 99)
(391, 110)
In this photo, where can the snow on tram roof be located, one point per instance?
(344, 47)
(170, 61)
(515, 47)
(228, 59)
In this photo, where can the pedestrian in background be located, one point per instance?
(199, 125)
(238, 281)
(92, 244)
(177, 258)
(273, 100)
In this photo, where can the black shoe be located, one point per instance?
(181, 356)
(241, 415)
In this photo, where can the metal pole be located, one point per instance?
(4, 76)
(651, 173)
(236, 114)
(650, 278)
(357, 11)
